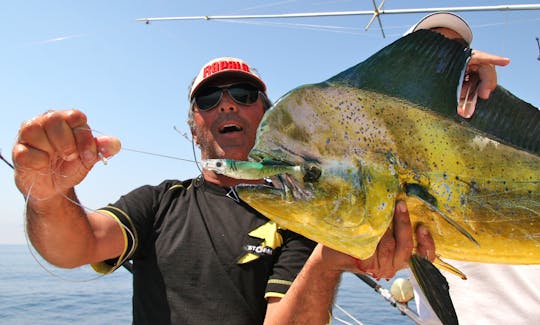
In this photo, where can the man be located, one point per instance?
(200, 255)
(493, 293)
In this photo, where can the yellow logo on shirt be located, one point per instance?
(271, 240)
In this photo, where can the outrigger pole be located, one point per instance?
(375, 13)
(348, 13)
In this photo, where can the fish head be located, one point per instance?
(344, 196)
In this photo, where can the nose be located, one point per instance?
(227, 104)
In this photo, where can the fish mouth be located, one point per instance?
(285, 186)
(280, 187)
(311, 168)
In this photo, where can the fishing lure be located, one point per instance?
(250, 169)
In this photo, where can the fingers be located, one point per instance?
(27, 157)
(383, 266)
(85, 146)
(403, 234)
(47, 133)
(425, 243)
(62, 134)
(108, 146)
(479, 58)
(394, 248)
(483, 64)
(468, 95)
(33, 148)
(488, 80)
(54, 152)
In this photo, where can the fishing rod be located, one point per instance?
(405, 310)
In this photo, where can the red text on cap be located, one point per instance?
(224, 65)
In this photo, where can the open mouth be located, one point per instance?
(285, 186)
(229, 128)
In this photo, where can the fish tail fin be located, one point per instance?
(435, 288)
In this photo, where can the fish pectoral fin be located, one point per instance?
(456, 225)
(435, 287)
(448, 267)
(430, 201)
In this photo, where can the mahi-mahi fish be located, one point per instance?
(387, 128)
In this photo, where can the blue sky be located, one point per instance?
(132, 79)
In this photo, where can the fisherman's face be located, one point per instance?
(228, 129)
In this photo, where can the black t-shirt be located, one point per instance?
(194, 260)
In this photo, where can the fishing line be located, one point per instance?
(31, 249)
(129, 233)
(314, 27)
(354, 30)
(159, 155)
(42, 265)
(184, 134)
(266, 5)
(507, 22)
(348, 315)
(143, 151)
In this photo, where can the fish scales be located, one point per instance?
(377, 136)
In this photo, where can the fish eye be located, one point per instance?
(218, 164)
(312, 172)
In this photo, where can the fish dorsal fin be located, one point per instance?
(424, 68)
(510, 119)
(431, 202)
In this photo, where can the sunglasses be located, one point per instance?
(242, 93)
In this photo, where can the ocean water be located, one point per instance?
(29, 294)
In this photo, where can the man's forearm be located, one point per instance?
(310, 297)
(59, 229)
